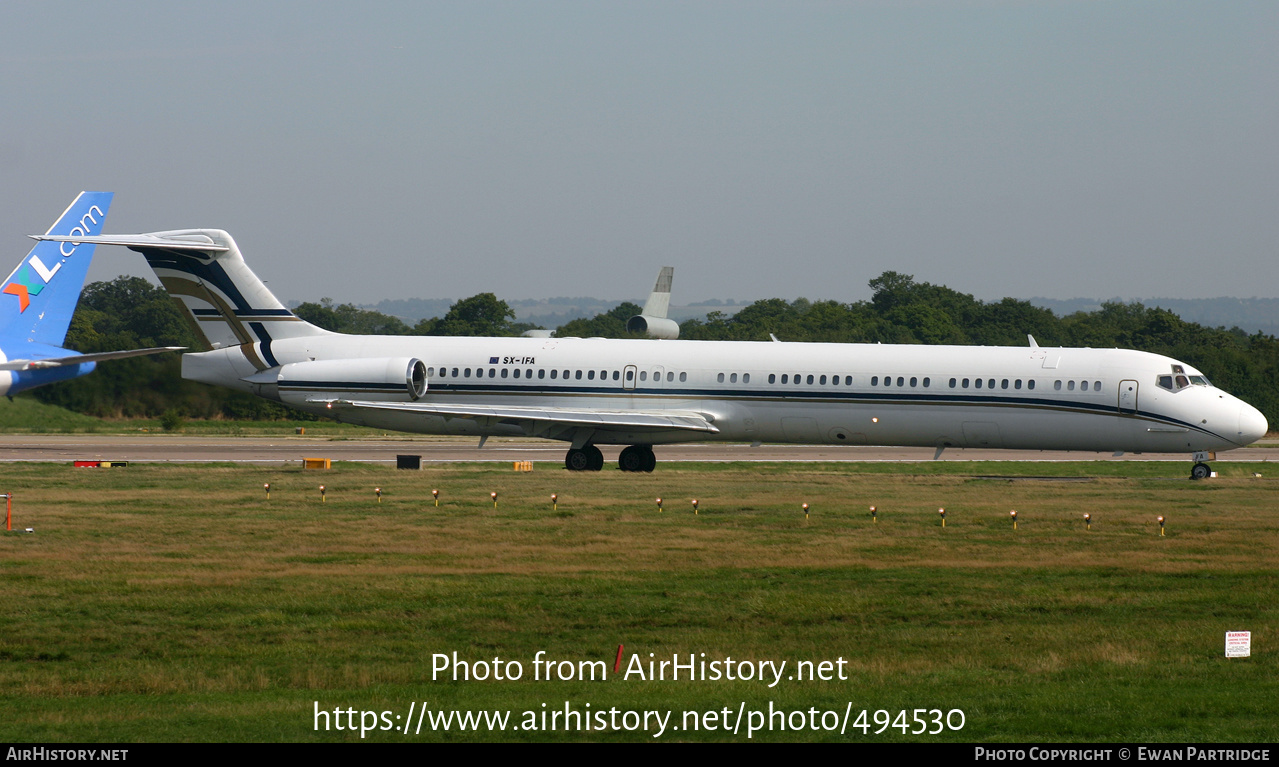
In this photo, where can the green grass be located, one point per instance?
(178, 603)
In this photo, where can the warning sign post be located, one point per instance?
(1238, 644)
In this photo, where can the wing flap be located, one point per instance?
(600, 419)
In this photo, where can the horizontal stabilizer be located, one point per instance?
(80, 359)
(601, 419)
(184, 242)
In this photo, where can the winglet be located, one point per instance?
(1031, 338)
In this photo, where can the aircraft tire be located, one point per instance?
(578, 460)
(650, 460)
(1200, 471)
(597, 458)
(634, 458)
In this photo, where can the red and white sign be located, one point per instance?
(1238, 644)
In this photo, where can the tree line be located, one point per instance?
(129, 312)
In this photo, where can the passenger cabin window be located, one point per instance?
(683, 377)
(772, 378)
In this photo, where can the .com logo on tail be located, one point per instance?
(83, 218)
(24, 288)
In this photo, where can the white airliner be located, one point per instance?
(641, 393)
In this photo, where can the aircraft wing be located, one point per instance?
(77, 359)
(540, 420)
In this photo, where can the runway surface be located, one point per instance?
(161, 448)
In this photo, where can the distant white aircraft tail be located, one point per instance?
(659, 301)
(652, 321)
(228, 305)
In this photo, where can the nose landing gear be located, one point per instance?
(1201, 469)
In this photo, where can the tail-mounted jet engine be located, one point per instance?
(386, 379)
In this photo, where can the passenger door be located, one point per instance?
(1127, 396)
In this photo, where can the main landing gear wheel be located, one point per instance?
(588, 458)
(637, 458)
(1200, 471)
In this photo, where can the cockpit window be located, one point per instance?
(1179, 380)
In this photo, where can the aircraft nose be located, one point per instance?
(1252, 424)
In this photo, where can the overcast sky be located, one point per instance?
(764, 149)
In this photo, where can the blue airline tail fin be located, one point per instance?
(39, 297)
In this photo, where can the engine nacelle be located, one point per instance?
(387, 379)
(653, 327)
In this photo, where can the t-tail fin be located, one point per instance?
(225, 301)
(39, 297)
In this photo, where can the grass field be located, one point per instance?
(178, 603)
